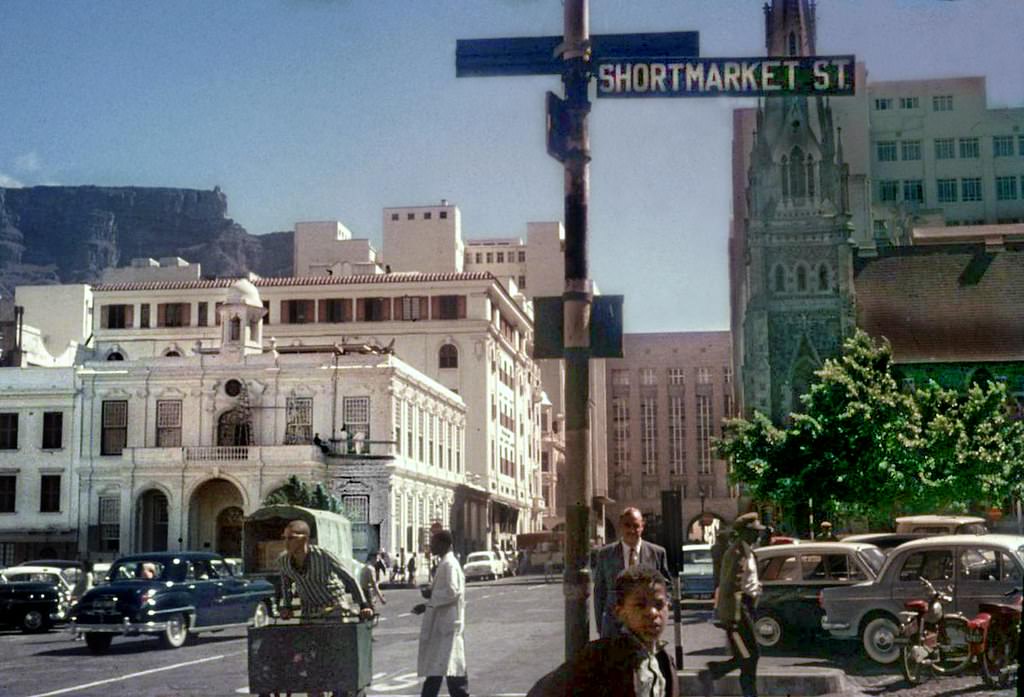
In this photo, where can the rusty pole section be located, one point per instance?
(577, 301)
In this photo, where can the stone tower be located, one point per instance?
(798, 254)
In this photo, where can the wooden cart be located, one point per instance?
(328, 657)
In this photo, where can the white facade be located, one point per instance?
(427, 239)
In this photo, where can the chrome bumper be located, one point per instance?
(126, 628)
(837, 629)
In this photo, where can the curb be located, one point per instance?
(776, 681)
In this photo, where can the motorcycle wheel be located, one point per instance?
(994, 660)
(912, 669)
(952, 654)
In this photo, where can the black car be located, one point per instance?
(33, 606)
(170, 595)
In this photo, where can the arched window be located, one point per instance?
(172, 354)
(810, 175)
(785, 177)
(115, 356)
(792, 43)
(801, 278)
(448, 357)
(780, 279)
(823, 277)
(797, 175)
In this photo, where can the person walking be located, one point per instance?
(368, 581)
(737, 596)
(442, 652)
(411, 568)
(613, 558)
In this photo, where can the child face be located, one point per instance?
(644, 611)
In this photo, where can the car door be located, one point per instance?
(822, 570)
(933, 563)
(238, 605)
(984, 575)
(207, 594)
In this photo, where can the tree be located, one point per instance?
(296, 492)
(865, 447)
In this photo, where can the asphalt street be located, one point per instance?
(513, 636)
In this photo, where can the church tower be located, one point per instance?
(798, 257)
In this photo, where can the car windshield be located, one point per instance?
(137, 570)
(697, 556)
(874, 558)
(37, 576)
(478, 556)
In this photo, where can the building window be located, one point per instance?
(704, 433)
(1006, 188)
(970, 189)
(53, 430)
(1002, 146)
(443, 215)
(620, 378)
(115, 427)
(913, 191)
(649, 435)
(945, 149)
(116, 316)
(947, 190)
(500, 257)
(235, 329)
(49, 493)
(397, 412)
(886, 150)
(298, 311)
(970, 148)
(801, 278)
(144, 316)
(910, 103)
(450, 307)
(431, 438)
(888, 190)
(703, 375)
(373, 309)
(620, 433)
(357, 418)
(8, 431)
(168, 423)
(394, 216)
(910, 149)
(479, 258)
(883, 103)
(823, 285)
(448, 356)
(299, 421)
(942, 102)
(427, 215)
(110, 523)
(780, 279)
(676, 435)
(490, 257)
(7, 554)
(410, 216)
(173, 314)
(522, 257)
(522, 282)
(648, 377)
(676, 376)
(881, 229)
(414, 308)
(8, 493)
(203, 314)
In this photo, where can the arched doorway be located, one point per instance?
(234, 427)
(210, 507)
(151, 522)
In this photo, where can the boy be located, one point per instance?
(633, 663)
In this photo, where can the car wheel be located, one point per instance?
(879, 639)
(176, 633)
(98, 643)
(768, 631)
(259, 616)
(34, 621)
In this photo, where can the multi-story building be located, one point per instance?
(668, 396)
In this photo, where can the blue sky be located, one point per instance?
(321, 109)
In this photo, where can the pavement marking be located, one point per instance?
(405, 614)
(76, 688)
(539, 585)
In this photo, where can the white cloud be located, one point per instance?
(9, 182)
(29, 162)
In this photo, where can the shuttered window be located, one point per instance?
(115, 427)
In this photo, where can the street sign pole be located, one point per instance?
(577, 302)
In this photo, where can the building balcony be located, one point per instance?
(220, 454)
(358, 449)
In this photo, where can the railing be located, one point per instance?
(267, 454)
(354, 447)
(211, 453)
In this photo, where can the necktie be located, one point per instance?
(632, 556)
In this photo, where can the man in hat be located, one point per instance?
(826, 534)
(737, 596)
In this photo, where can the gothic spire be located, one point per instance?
(790, 27)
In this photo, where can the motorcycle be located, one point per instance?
(994, 635)
(933, 641)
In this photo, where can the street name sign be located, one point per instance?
(661, 76)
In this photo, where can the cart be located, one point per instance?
(324, 657)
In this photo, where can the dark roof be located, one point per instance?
(945, 304)
(299, 281)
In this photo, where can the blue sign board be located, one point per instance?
(659, 76)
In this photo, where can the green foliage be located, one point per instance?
(296, 492)
(864, 447)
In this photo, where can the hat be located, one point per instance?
(826, 524)
(748, 521)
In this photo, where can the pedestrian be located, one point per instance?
(368, 581)
(613, 558)
(632, 664)
(411, 568)
(826, 534)
(737, 596)
(442, 652)
(396, 570)
(320, 444)
(380, 565)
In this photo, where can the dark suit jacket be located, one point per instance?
(603, 668)
(609, 563)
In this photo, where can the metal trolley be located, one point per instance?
(328, 657)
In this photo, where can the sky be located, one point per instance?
(335, 109)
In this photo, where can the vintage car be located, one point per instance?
(483, 565)
(942, 524)
(698, 572)
(33, 606)
(972, 568)
(171, 595)
(792, 576)
(52, 575)
(886, 541)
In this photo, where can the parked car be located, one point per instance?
(170, 595)
(483, 565)
(33, 606)
(971, 568)
(792, 576)
(51, 575)
(942, 524)
(886, 541)
(698, 572)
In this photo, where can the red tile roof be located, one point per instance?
(298, 281)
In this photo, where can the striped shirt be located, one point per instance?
(321, 583)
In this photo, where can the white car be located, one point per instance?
(483, 565)
(46, 574)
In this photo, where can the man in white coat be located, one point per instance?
(442, 653)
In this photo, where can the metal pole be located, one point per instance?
(577, 300)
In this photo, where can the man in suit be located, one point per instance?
(632, 550)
